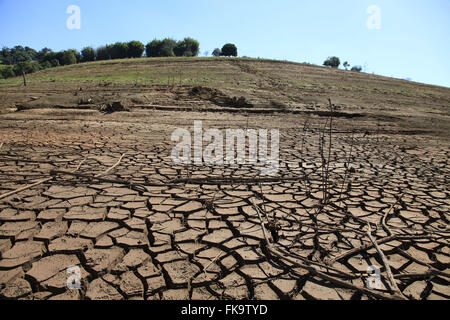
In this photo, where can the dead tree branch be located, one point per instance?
(393, 283)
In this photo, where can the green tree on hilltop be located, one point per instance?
(87, 54)
(188, 48)
(332, 62)
(67, 57)
(135, 49)
(229, 50)
(119, 50)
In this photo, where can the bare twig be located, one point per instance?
(392, 281)
(262, 224)
(233, 181)
(383, 221)
(111, 168)
(432, 269)
(304, 135)
(212, 261)
(340, 273)
(134, 186)
(25, 160)
(327, 171)
(25, 188)
(346, 168)
(380, 241)
(264, 205)
(322, 157)
(80, 164)
(421, 275)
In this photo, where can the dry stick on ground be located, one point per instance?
(303, 145)
(176, 183)
(378, 131)
(23, 174)
(420, 275)
(380, 241)
(135, 186)
(25, 188)
(339, 273)
(25, 160)
(80, 164)
(322, 157)
(393, 283)
(324, 161)
(1, 145)
(231, 181)
(304, 135)
(383, 220)
(347, 168)
(322, 167)
(432, 270)
(262, 224)
(212, 261)
(328, 229)
(111, 168)
(327, 171)
(36, 183)
(264, 206)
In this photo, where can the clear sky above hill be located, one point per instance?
(407, 39)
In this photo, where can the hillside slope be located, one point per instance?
(260, 84)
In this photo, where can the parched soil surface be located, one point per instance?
(140, 227)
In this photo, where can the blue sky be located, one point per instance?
(411, 43)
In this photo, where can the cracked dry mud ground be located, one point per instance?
(204, 241)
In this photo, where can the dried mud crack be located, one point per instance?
(103, 194)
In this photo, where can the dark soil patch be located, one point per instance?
(219, 98)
